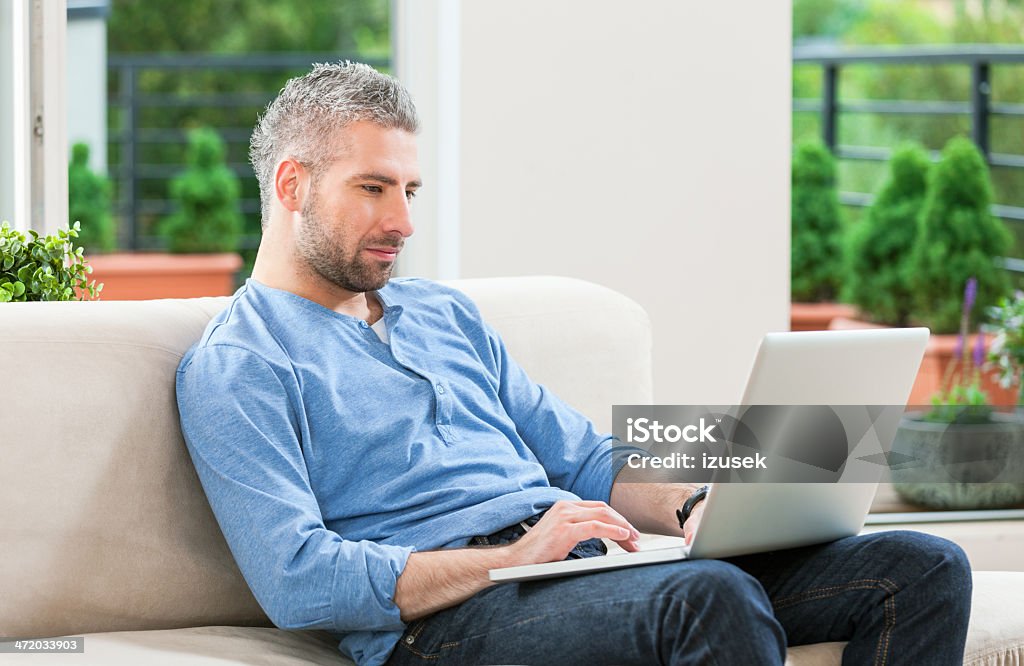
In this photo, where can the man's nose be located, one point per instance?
(399, 216)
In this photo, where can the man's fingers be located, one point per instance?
(630, 545)
(693, 522)
(570, 522)
(604, 513)
(595, 529)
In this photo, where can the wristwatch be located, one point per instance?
(691, 501)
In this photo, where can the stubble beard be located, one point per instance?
(324, 253)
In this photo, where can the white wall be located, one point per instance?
(87, 87)
(643, 146)
(426, 40)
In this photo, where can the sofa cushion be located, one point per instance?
(995, 638)
(106, 527)
(996, 633)
(819, 654)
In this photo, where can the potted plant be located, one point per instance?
(816, 258)
(1006, 323)
(955, 238)
(50, 268)
(207, 193)
(958, 239)
(962, 453)
(202, 235)
(89, 203)
(879, 249)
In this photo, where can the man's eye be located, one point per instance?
(375, 189)
(410, 194)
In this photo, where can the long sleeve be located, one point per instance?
(244, 434)
(575, 456)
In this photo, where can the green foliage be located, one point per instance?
(207, 193)
(43, 269)
(962, 403)
(247, 26)
(887, 23)
(89, 202)
(882, 22)
(879, 249)
(1006, 321)
(357, 29)
(906, 23)
(817, 227)
(958, 239)
(820, 18)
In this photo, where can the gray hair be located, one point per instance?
(303, 119)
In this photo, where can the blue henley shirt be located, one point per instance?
(329, 456)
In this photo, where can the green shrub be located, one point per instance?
(208, 219)
(89, 203)
(817, 226)
(43, 269)
(879, 249)
(958, 238)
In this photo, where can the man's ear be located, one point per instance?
(289, 179)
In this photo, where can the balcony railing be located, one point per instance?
(979, 59)
(148, 117)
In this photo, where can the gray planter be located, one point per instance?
(960, 466)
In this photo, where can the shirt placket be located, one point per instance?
(442, 393)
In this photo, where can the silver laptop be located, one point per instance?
(867, 367)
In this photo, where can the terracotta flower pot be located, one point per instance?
(937, 357)
(817, 316)
(145, 276)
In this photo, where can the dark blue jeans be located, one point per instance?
(897, 597)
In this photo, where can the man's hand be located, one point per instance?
(567, 523)
(438, 579)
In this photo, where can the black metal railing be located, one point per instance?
(980, 59)
(148, 117)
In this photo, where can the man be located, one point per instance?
(361, 438)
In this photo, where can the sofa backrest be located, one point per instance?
(105, 524)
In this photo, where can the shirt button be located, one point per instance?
(440, 389)
(364, 324)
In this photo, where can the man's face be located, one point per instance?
(356, 217)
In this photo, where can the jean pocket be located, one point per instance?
(425, 637)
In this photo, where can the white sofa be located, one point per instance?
(107, 532)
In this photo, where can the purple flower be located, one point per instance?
(970, 293)
(979, 350)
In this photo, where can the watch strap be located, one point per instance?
(684, 512)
